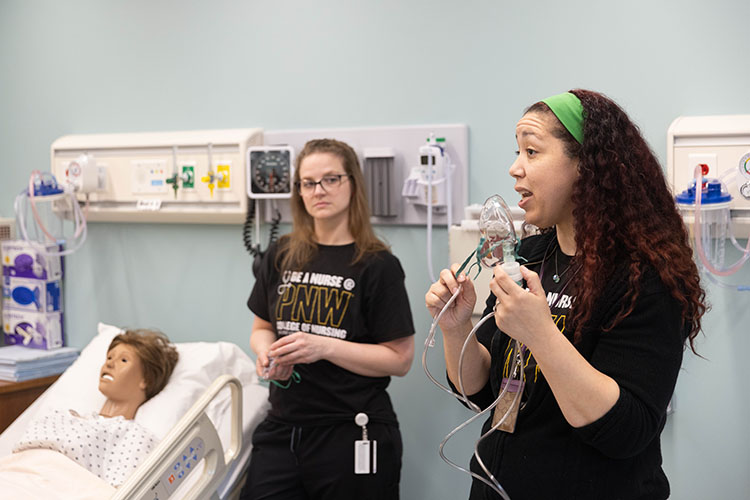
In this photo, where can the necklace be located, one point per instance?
(557, 277)
(565, 285)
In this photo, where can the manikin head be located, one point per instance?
(138, 366)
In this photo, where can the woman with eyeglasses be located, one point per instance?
(332, 325)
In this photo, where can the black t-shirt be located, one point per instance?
(618, 455)
(364, 302)
(560, 298)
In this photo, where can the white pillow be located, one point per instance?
(199, 365)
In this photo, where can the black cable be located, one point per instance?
(273, 234)
(247, 229)
(247, 234)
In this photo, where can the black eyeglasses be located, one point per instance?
(329, 183)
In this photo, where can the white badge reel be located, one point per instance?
(365, 451)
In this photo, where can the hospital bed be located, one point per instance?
(204, 417)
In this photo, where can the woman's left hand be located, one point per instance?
(300, 347)
(520, 313)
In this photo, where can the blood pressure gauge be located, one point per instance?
(269, 171)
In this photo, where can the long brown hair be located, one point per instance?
(624, 211)
(299, 247)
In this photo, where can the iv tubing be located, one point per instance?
(729, 175)
(737, 288)
(431, 274)
(33, 205)
(492, 481)
(513, 370)
(698, 174)
(79, 218)
(430, 342)
(449, 189)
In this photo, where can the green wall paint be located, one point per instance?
(106, 66)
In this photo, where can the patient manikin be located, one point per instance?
(109, 443)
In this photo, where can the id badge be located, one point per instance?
(507, 405)
(365, 457)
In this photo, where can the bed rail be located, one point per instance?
(193, 438)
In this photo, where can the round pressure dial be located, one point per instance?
(270, 171)
(745, 165)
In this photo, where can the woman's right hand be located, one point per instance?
(440, 292)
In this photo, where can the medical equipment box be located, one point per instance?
(33, 329)
(32, 295)
(31, 259)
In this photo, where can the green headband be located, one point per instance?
(568, 109)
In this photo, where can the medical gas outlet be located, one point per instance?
(186, 179)
(218, 179)
(428, 183)
(187, 176)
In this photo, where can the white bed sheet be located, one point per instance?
(39, 473)
(199, 365)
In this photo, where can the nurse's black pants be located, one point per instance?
(317, 463)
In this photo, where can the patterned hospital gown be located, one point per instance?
(111, 448)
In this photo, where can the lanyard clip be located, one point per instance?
(361, 420)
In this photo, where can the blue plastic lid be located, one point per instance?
(47, 186)
(713, 192)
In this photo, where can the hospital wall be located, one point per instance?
(96, 66)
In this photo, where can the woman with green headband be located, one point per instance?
(612, 297)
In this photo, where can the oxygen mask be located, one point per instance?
(498, 240)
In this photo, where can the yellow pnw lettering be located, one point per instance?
(341, 304)
(307, 298)
(313, 304)
(285, 301)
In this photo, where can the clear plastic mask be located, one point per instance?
(497, 232)
(498, 240)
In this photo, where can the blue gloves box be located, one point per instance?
(29, 259)
(32, 295)
(32, 299)
(32, 329)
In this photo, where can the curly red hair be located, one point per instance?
(624, 211)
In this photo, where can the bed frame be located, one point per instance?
(177, 457)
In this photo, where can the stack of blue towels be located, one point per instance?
(18, 363)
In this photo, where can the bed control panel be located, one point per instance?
(187, 460)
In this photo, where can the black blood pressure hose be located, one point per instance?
(247, 233)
